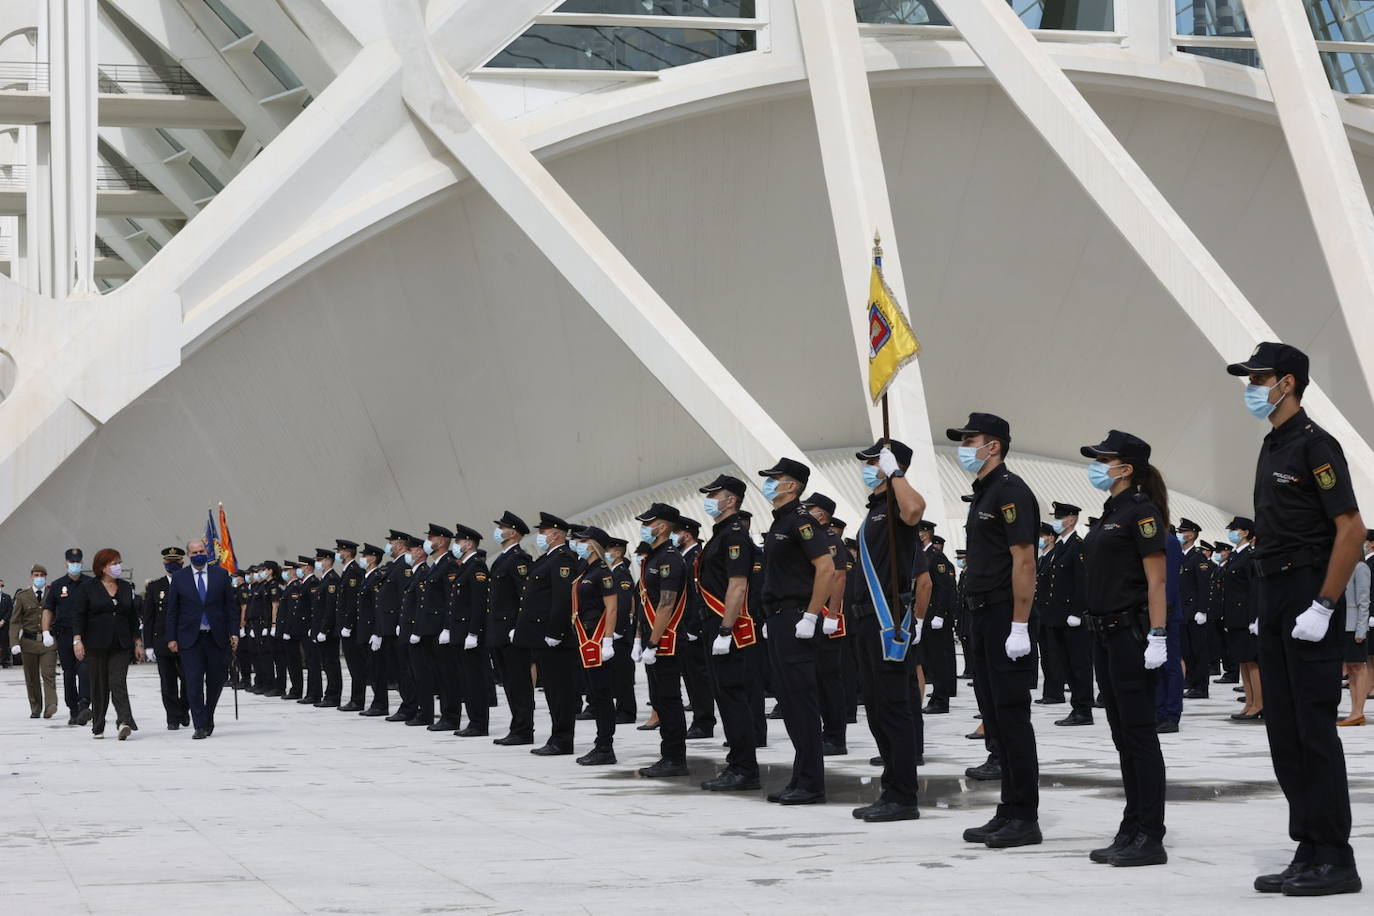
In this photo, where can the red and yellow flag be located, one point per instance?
(224, 548)
(891, 342)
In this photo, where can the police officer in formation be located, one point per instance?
(1066, 638)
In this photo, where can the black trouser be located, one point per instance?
(849, 660)
(1197, 652)
(314, 680)
(173, 685)
(794, 663)
(1053, 663)
(355, 656)
(109, 671)
(1073, 648)
(76, 687)
(379, 670)
(693, 654)
(830, 688)
(730, 681)
(560, 671)
(1006, 687)
(887, 706)
(264, 664)
(1302, 688)
(473, 687)
(424, 656)
(937, 652)
(403, 663)
(519, 690)
(333, 670)
(292, 654)
(1128, 694)
(623, 673)
(665, 697)
(449, 681)
(756, 664)
(1221, 649)
(601, 698)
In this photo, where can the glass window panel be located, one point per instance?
(730, 9)
(576, 47)
(1350, 73)
(1076, 15)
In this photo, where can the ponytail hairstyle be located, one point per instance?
(1151, 483)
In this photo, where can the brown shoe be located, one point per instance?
(1352, 720)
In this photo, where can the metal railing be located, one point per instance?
(114, 79)
(24, 76)
(107, 178)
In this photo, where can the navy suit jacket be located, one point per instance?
(185, 609)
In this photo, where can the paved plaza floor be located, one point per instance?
(293, 809)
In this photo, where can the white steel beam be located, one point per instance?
(468, 33)
(1127, 196)
(859, 205)
(499, 161)
(333, 39)
(144, 151)
(1330, 180)
(266, 18)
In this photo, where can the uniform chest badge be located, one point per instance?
(1009, 513)
(625, 586)
(331, 589)
(522, 570)
(564, 572)
(734, 553)
(452, 576)
(1325, 476)
(409, 571)
(806, 532)
(1148, 527)
(64, 592)
(481, 577)
(606, 582)
(352, 583)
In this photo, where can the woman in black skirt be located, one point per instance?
(1357, 605)
(1240, 615)
(106, 621)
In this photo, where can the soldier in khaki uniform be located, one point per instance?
(26, 630)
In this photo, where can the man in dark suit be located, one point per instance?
(202, 627)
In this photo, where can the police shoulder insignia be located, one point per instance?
(1009, 513)
(831, 548)
(806, 532)
(734, 552)
(481, 577)
(1325, 477)
(665, 570)
(452, 576)
(331, 589)
(352, 582)
(625, 585)
(939, 567)
(606, 582)
(522, 570)
(409, 570)
(1203, 566)
(564, 571)
(1148, 527)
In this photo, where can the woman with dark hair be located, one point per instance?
(106, 622)
(1124, 558)
(595, 606)
(1240, 614)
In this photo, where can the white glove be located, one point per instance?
(470, 641)
(619, 636)
(1156, 651)
(937, 623)
(551, 642)
(1199, 618)
(414, 640)
(319, 637)
(692, 637)
(887, 462)
(1018, 641)
(917, 631)
(721, 645)
(830, 626)
(286, 636)
(272, 631)
(147, 653)
(398, 630)
(806, 627)
(1075, 621)
(375, 643)
(1312, 623)
(346, 632)
(242, 633)
(765, 629)
(15, 650)
(47, 640)
(637, 652)
(607, 649)
(445, 637)
(510, 637)
(1254, 627)
(649, 655)
(1371, 621)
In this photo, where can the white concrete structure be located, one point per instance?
(467, 257)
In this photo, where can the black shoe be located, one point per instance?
(309, 700)
(624, 718)
(731, 781)
(776, 797)
(597, 758)
(441, 726)
(776, 711)
(697, 731)
(1167, 727)
(985, 771)
(1015, 832)
(327, 704)
(859, 813)
(1097, 702)
(550, 750)
(471, 732)
(981, 834)
(1049, 701)
(398, 717)
(1121, 841)
(1228, 679)
(350, 706)
(1322, 881)
(876, 761)
(936, 708)
(186, 720)
(84, 716)
(513, 741)
(1195, 693)
(1076, 718)
(663, 769)
(648, 727)
(1273, 884)
(274, 692)
(975, 736)
(200, 734)
(291, 695)
(585, 715)
(1247, 717)
(1142, 850)
(33, 715)
(72, 719)
(830, 749)
(373, 712)
(173, 726)
(891, 811)
(801, 797)
(1237, 689)
(417, 722)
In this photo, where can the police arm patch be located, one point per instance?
(1009, 513)
(1148, 527)
(1325, 476)
(806, 532)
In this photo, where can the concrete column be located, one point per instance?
(1149, 27)
(72, 77)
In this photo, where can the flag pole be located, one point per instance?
(887, 440)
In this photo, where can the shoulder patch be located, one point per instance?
(665, 570)
(331, 589)
(522, 570)
(831, 548)
(939, 567)
(352, 582)
(625, 585)
(806, 532)
(1009, 513)
(1148, 527)
(734, 552)
(1325, 476)
(564, 571)
(481, 577)
(606, 582)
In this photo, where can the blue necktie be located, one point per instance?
(200, 587)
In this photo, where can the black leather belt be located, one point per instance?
(1297, 559)
(1107, 623)
(27, 634)
(987, 599)
(778, 609)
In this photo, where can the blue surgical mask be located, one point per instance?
(73, 569)
(1257, 400)
(1058, 526)
(872, 476)
(287, 575)
(958, 564)
(711, 506)
(388, 553)
(364, 562)
(646, 534)
(1100, 475)
(969, 460)
(319, 567)
(676, 538)
(496, 535)
(171, 567)
(455, 549)
(199, 559)
(1233, 536)
(300, 572)
(581, 549)
(429, 546)
(541, 541)
(410, 559)
(770, 489)
(40, 581)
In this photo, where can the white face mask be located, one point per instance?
(365, 562)
(319, 567)
(115, 570)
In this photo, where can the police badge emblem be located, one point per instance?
(1325, 477)
(734, 553)
(1148, 527)
(1009, 513)
(806, 532)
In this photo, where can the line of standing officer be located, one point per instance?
(171, 680)
(1063, 605)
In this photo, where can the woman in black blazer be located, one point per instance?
(106, 623)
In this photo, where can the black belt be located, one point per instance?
(774, 610)
(1107, 623)
(986, 599)
(27, 634)
(1295, 559)
(860, 610)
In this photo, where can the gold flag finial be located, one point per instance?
(877, 244)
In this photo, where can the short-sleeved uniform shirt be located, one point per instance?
(60, 598)
(1003, 513)
(728, 554)
(911, 558)
(595, 585)
(1301, 484)
(1131, 528)
(625, 598)
(662, 571)
(792, 542)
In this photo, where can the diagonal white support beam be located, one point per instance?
(857, 185)
(266, 18)
(497, 160)
(1127, 196)
(465, 41)
(332, 38)
(1325, 164)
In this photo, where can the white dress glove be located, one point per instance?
(147, 653)
(346, 632)
(375, 643)
(1253, 627)
(319, 637)
(15, 650)
(398, 630)
(551, 642)
(721, 645)
(242, 632)
(692, 637)
(272, 630)
(1312, 623)
(414, 640)
(286, 636)
(1200, 618)
(918, 628)
(1156, 651)
(830, 626)
(649, 655)
(445, 637)
(637, 651)
(47, 640)
(1075, 621)
(470, 641)
(887, 462)
(765, 629)
(806, 627)
(937, 623)
(608, 648)
(510, 637)
(1018, 641)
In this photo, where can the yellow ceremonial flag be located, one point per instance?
(891, 343)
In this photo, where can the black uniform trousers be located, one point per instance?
(173, 684)
(333, 670)
(601, 698)
(76, 685)
(314, 680)
(448, 680)
(937, 653)
(264, 663)
(887, 706)
(730, 681)
(1005, 686)
(355, 657)
(379, 671)
(1072, 648)
(849, 659)
(756, 664)
(623, 672)
(424, 656)
(830, 687)
(109, 669)
(794, 664)
(401, 664)
(1197, 653)
(292, 669)
(474, 687)
(693, 654)
(665, 698)
(560, 671)
(1302, 688)
(1129, 693)
(519, 689)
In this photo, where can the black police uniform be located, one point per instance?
(663, 572)
(467, 604)
(730, 554)
(368, 626)
(435, 664)
(509, 572)
(546, 613)
(1064, 598)
(1236, 600)
(593, 585)
(1302, 484)
(314, 677)
(291, 631)
(412, 609)
(622, 664)
(1194, 585)
(261, 672)
(1131, 528)
(1002, 514)
(793, 541)
(937, 646)
(59, 598)
(324, 618)
(830, 662)
(693, 648)
(757, 659)
(395, 663)
(354, 645)
(169, 673)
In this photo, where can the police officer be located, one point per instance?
(351, 637)
(937, 642)
(1125, 570)
(692, 648)
(829, 643)
(1308, 534)
(368, 629)
(430, 615)
(594, 607)
(622, 663)
(1236, 599)
(59, 618)
(1194, 586)
(169, 675)
(395, 646)
(663, 600)
(723, 581)
(509, 570)
(324, 620)
(291, 630)
(544, 626)
(412, 609)
(1063, 605)
(310, 649)
(467, 602)
(799, 577)
(999, 587)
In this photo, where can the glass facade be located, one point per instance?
(601, 47)
(1076, 15)
(729, 9)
